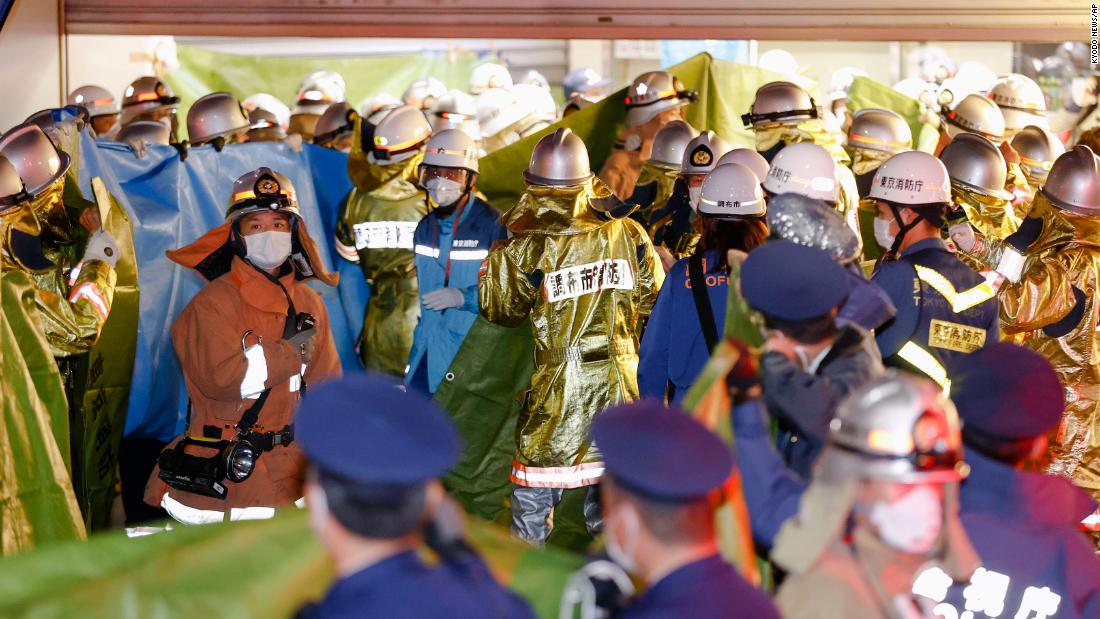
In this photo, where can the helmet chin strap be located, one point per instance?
(903, 229)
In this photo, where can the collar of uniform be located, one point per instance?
(377, 576)
(929, 243)
(684, 580)
(995, 488)
(257, 290)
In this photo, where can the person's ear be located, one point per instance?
(433, 498)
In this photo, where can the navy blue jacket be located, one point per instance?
(673, 349)
(709, 587)
(1023, 525)
(439, 334)
(403, 586)
(868, 306)
(918, 304)
(803, 404)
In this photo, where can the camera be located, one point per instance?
(203, 475)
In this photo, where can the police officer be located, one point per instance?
(375, 455)
(101, 106)
(660, 518)
(944, 308)
(809, 363)
(653, 100)
(682, 331)
(1010, 400)
(661, 170)
(877, 534)
(450, 245)
(375, 229)
(586, 279)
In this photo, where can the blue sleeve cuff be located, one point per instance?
(470, 295)
(750, 419)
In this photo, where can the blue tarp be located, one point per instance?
(171, 203)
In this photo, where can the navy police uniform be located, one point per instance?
(383, 443)
(663, 455)
(945, 310)
(796, 283)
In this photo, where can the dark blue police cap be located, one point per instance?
(361, 428)
(659, 453)
(1008, 392)
(792, 282)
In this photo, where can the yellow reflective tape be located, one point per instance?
(926, 363)
(244, 195)
(960, 301)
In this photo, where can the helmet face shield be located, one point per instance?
(458, 175)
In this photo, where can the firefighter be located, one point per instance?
(653, 100)
(878, 534)
(375, 229)
(249, 343)
(450, 245)
(945, 309)
(586, 279)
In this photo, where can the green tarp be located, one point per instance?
(37, 504)
(262, 569)
(202, 71)
(97, 420)
(493, 367)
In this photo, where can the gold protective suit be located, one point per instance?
(73, 303)
(586, 282)
(665, 177)
(378, 221)
(993, 218)
(1066, 256)
(621, 169)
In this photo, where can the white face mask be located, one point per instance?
(268, 250)
(694, 194)
(443, 191)
(622, 553)
(912, 523)
(882, 233)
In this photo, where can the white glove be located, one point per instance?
(443, 298)
(1011, 264)
(963, 235)
(101, 246)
